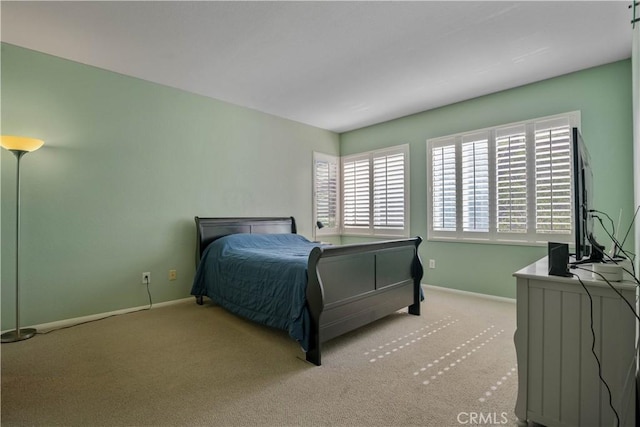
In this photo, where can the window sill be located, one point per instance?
(496, 242)
(377, 236)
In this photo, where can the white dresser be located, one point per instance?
(558, 383)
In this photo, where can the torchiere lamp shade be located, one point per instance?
(20, 143)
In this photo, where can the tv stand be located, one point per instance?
(558, 382)
(596, 256)
(590, 260)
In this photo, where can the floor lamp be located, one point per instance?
(19, 146)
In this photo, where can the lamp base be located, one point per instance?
(13, 336)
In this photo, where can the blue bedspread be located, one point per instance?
(262, 277)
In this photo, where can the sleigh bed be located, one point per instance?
(339, 288)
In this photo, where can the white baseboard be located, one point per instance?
(77, 320)
(474, 294)
(44, 327)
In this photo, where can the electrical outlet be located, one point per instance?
(146, 278)
(432, 263)
(173, 274)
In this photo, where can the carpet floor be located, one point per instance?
(189, 365)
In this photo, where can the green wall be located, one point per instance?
(126, 166)
(602, 94)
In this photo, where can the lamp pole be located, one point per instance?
(18, 334)
(19, 146)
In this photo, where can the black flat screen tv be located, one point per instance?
(587, 250)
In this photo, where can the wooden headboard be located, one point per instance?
(211, 229)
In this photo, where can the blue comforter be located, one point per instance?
(262, 277)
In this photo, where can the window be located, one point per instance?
(443, 178)
(510, 183)
(375, 192)
(511, 179)
(553, 177)
(355, 193)
(326, 207)
(475, 183)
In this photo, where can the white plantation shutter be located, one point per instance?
(507, 184)
(375, 192)
(326, 186)
(511, 179)
(475, 183)
(355, 178)
(553, 176)
(388, 191)
(443, 182)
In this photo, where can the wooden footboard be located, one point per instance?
(353, 285)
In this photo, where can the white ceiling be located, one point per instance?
(335, 65)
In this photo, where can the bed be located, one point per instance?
(333, 289)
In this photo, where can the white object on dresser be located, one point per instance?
(558, 382)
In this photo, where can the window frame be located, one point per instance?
(327, 230)
(371, 229)
(531, 237)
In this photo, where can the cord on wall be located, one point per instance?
(148, 293)
(620, 245)
(105, 317)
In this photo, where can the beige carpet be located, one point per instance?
(188, 365)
